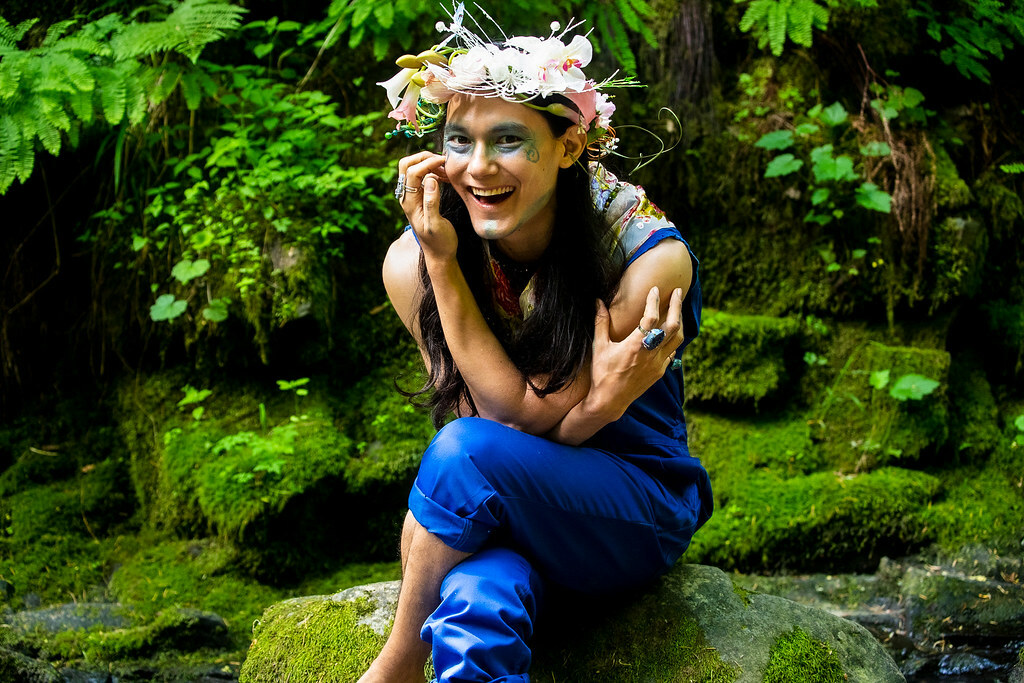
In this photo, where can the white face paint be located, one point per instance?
(490, 229)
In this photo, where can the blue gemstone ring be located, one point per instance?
(675, 365)
(653, 339)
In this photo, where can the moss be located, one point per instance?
(672, 649)
(740, 359)
(796, 656)
(323, 641)
(820, 521)
(1006, 334)
(859, 427)
(973, 429)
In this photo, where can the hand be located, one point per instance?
(621, 372)
(422, 205)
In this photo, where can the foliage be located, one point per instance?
(972, 32)
(773, 21)
(109, 70)
(799, 656)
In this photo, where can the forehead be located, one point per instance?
(466, 111)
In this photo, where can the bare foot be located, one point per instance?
(380, 672)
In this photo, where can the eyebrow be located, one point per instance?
(510, 128)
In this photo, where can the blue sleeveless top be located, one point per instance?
(652, 432)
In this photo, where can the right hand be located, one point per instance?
(424, 172)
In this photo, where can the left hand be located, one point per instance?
(423, 173)
(622, 371)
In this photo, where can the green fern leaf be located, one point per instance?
(80, 43)
(165, 81)
(191, 90)
(777, 20)
(112, 94)
(56, 115)
(10, 142)
(25, 153)
(202, 22)
(799, 21)
(56, 31)
(81, 103)
(10, 75)
(12, 35)
(72, 73)
(756, 13)
(48, 135)
(135, 99)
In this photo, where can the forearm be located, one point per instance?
(584, 420)
(499, 389)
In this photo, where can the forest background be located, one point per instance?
(198, 359)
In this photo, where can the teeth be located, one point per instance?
(480, 192)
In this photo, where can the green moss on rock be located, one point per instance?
(796, 656)
(860, 427)
(822, 521)
(740, 359)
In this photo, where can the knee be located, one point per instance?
(462, 443)
(494, 573)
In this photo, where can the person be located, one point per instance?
(550, 302)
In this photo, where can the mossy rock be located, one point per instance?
(739, 359)
(15, 666)
(692, 625)
(860, 426)
(947, 602)
(818, 522)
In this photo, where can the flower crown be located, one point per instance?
(543, 73)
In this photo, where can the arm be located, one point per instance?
(621, 368)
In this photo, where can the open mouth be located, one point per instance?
(491, 196)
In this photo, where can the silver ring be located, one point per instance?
(640, 327)
(653, 339)
(400, 188)
(413, 190)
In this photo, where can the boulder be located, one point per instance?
(15, 666)
(692, 624)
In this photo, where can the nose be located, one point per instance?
(481, 162)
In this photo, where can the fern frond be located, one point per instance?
(10, 36)
(164, 82)
(81, 103)
(56, 31)
(63, 72)
(10, 75)
(777, 20)
(80, 43)
(202, 22)
(191, 90)
(48, 135)
(136, 100)
(55, 114)
(112, 94)
(756, 12)
(24, 156)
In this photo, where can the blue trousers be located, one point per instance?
(533, 512)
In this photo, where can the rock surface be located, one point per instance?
(693, 624)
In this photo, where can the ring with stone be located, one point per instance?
(675, 364)
(653, 339)
(640, 326)
(400, 188)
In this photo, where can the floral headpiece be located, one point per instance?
(521, 69)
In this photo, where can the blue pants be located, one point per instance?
(533, 511)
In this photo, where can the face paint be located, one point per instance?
(490, 229)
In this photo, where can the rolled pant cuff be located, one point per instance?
(456, 532)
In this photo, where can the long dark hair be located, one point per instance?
(575, 270)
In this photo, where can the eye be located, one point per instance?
(456, 140)
(508, 140)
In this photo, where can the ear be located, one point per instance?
(574, 141)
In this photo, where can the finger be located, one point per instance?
(405, 162)
(415, 173)
(651, 312)
(673, 320)
(431, 200)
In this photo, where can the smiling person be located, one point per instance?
(550, 302)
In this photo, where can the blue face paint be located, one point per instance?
(503, 140)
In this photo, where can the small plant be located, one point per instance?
(193, 396)
(909, 387)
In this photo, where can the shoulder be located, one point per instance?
(667, 265)
(401, 274)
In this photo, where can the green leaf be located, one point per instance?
(167, 308)
(782, 165)
(833, 115)
(805, 129)
(859, 253)
(876, 148)
(1018, 422)
(879, 378)
(912, 387)
(820, 195)
(217, 310)
(870, 197)
(779, 139)
(186, 270)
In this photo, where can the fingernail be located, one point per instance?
(430, 184)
